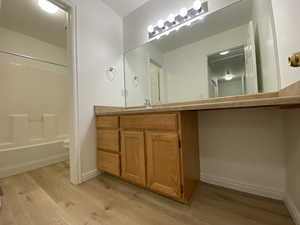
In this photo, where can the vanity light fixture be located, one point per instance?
(161, 24)
(224, 53)
(197, 5)
(185, 17)
(47, 6)
(171, 18)
(150, 29)
(183, 12)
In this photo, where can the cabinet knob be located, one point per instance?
(294, 60)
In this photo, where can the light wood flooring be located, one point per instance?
(46, 197)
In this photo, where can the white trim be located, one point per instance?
(75, 162)
(243, 187)
(295, 213)
(31, 146)
(28, 166)
(90, 175)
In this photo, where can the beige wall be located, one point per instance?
(99, 46)
(292, 137)
(287, 23)
(244, 149)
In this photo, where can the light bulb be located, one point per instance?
(183, 12)
(225, 53)
(48, 6)
(171, 18)
(160, 24)
(150, 29)
(197, 5)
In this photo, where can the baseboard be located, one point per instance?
(295, 213)
(90, 175)
(28, 166)
(243, 187)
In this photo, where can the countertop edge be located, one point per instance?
(249, 103)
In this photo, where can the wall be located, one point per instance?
(235, 150)
(292, 137)
(286, 14)
(99, 46)
(267, 56)
(187, 66)
(287, 23)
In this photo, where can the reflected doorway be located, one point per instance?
(155, 71)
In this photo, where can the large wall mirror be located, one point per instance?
(230, 52)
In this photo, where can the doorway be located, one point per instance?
(39, 79)
(155, 72)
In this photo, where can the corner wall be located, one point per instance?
(292, 137)
(99, 46)
(287, 23)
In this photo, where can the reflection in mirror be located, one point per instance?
(229, 52)
(227, 73)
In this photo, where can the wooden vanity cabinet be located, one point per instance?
(108, 144)
(157, 151)
(133, 157)
(163, 163)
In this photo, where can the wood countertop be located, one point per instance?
(287, 97)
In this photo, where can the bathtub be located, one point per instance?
(21, 159)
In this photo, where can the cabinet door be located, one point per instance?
(133, 157)
(163, 163)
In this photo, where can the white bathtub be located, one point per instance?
(25, 158)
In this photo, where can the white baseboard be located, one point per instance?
(243, 187)
(295, 213)
(90, 175)
(28, 166)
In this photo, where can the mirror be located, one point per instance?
(229, 52)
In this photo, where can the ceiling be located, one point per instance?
(124, 7)
(25, 16)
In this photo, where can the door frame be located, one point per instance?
(75, 156)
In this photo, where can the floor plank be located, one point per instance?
(46, 197)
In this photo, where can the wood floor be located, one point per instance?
(46, 197)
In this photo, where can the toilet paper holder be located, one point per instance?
(294, 60)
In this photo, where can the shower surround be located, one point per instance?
(35, 98)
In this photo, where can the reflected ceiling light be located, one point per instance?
(224, 53)
(150, 29)
(47, 6)
(197, 5)
(228, 76)
(171, 18)
(183, 12)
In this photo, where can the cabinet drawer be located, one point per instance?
(109, 162)
(107, 122)
(153, 121)
(108, 140)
